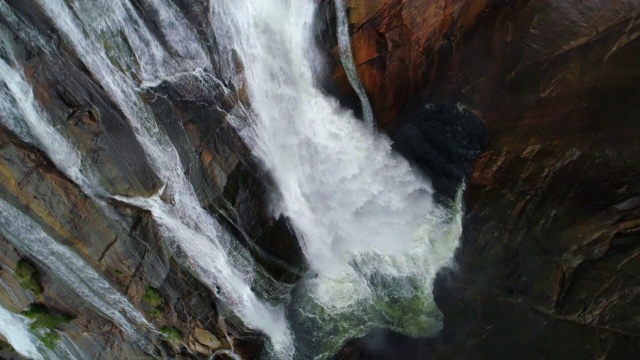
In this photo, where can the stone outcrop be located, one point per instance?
(442, 140)
(551, 240)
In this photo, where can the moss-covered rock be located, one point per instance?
(152, 296)
(172, 334)
(29, 277)
(153, 299)
(46, 323)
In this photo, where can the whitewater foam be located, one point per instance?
(15, 329)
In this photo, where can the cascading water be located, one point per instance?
(367, 224)
(366, 221)
(15, 329)
(346, 58)
(78, 276)
(187, 227)
(18, 102)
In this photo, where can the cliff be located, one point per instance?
(550, 247)
(134, 258)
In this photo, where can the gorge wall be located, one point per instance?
(550, 250)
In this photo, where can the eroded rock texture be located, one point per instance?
(548, 262)
(125, 244)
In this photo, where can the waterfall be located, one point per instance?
(348, 64)
(15, 328)
(19, 103)
(366, 220)
(367, 224)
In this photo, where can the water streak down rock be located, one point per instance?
(125, 244)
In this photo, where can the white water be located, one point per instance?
(15, 329)
(366, 221)
(20, 112)
(193, 234)
(73, 272)
(348, 64)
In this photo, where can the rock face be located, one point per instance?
(443, 140)
(127, 247)
(393, 45)
(551, 240)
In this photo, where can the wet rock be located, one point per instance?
(442, 140)
(13, 295)
(228, 180)
(120, 241)
(34, 184)
(392, 43)
(550, 230)
(131, 257)
(249, 346)
(206, 338)
(80, 107)
(7, 352)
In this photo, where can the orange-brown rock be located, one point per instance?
(392, 41)
(474, 49)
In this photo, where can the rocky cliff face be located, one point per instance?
(191, 323)
(550, 247)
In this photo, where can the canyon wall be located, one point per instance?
(548, 260)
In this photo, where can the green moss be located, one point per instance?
(158, 311)
(45, 317)
(152, 296)
(45, 322)
(49, 338)
(29, 277)
(172, 334)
